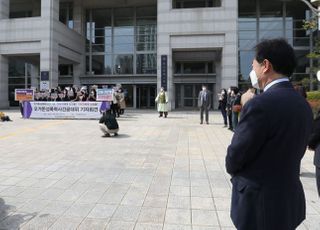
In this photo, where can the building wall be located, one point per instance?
(44, 36)
(208, 28)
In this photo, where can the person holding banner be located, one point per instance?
(162, 100)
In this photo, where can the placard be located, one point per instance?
(23, 94)
(104, 94)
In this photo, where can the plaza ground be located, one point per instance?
(157, 174)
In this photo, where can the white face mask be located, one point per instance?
(254, 79)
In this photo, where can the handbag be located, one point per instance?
(236, 108)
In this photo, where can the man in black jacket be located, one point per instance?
(267, 147)
(108, 124)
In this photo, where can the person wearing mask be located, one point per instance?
(236, 106)
(108, 124)
(265, 153)
(223, 105)
(162, 100)
(204, 103)
(92, 95)
(229, 108)
(122, 101)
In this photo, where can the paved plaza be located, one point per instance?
(157, 174)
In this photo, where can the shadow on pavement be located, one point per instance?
(120, 135)
(11, 220)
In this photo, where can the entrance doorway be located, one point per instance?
(187, 95)
(146, 94)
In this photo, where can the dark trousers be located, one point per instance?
(115, 109)
(224, 115)
(235, 119)
(206, 111)
(318, 179)
(230, 119)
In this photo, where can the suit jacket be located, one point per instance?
(314, 141)
(264, 160)
(204, 99)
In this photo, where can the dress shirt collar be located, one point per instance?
(274, 83)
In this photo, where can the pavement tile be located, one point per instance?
(43, 221)
(180, 191)
(201, 191)
(118, 225)
(152, 215)
(56, 208)
(126, 214)
(204, 217)
(146, 226)
(78, 210)
(66, 223)
(202, 203)
(178, 216)
(179, 202)
(93, 224)
(102, 211)
(224, 219)
(176, 227)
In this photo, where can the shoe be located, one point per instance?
(106, 135)
(207, 123)
(201, 123)
(116, 134)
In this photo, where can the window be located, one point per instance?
(195, 68)
(121, 41)
(179, 4)
(65, 70)
(123, 64)
(25, 9)
(66, 14)
(146, 63)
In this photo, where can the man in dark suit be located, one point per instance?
(204, 103)
(267, 147)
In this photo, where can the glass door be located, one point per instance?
(146, 95)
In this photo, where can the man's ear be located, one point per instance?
(267, 66)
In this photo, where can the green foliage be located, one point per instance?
(315, 54)
(313, 95)
(310, 24)
(305, 82)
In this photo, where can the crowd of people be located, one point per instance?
(84, 93)
(231, 102)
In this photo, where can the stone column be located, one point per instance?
(4, 9)
(78, 17)
(4, 80)
(35, 76)
(134, 98)
(49, 59)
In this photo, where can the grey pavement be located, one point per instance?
(157, 174)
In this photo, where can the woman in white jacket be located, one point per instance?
(162, 100)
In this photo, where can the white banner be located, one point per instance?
(64, 110)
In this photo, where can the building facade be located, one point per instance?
(141, 44)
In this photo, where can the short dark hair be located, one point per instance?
(279, 53)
